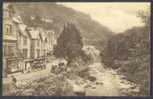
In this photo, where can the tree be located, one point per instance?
(130, 52)
(145, 17)
(69, 44)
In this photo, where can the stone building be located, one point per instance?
(11, 56)
(22, 43)
(34, 42)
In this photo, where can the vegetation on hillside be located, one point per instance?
(90, 30)
(129, 52)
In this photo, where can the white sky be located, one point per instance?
(116, 16)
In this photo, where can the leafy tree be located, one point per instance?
(145, 17)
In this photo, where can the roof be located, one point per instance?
(21, 26)
(34, 33)
(17, 19)
(22, 29)
(42, 33)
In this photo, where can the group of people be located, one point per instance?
(59, 66)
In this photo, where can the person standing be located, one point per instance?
(13, 86)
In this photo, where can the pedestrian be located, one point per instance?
(13, 86)
(14, 79)
(28, 67)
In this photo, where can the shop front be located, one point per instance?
(15, 65)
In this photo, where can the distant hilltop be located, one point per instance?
(53, 16)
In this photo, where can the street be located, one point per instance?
(30, 76)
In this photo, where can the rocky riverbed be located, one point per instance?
(108, 83)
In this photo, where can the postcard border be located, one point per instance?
(66, 97)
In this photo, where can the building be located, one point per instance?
(42, 36)
(48, 40)
(51, 40)
(22, 44)
(35, 42)
(9, 34)
(11, 59)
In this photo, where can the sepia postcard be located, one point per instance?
(76, 49)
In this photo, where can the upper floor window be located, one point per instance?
(24, 40)
(8, 29)
(5, 50)
(38, 43)
(38, 52)
(45, 40)
(9, 51)
(25, 53)
(6, 13)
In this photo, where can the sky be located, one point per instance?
(116, 16)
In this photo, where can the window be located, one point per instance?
(6, 13)
(8, 29)
(44, 52)
(4, 50)
(9, 51)
(24, 40)
(38, 52)
(32, 50)
(25, 53)
(46, 40)
(38, 42)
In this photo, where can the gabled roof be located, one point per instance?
(17, 19)
(33, 33)
(22, 29)
(21, 26)
(42, 33)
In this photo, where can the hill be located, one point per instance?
(129, 52)
(91, 31)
